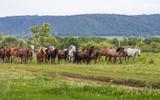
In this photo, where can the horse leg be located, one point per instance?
(25, 60)
(112, 60)
(120, 59)
(59, 61)
(21, 60)
(8, 59)
(133, 59)
(88, 61)
(109, 59)
(52, 60)
(16, 59)
(48, 58)
(37, 60)
(11, 59)
(99, 58)
(128, 58)
(115, 58)
(3, 59)
(95, 60)
(106, 58)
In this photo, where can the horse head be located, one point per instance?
(138, 52)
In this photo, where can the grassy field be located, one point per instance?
(139, 81)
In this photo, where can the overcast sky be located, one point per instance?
(72, 7)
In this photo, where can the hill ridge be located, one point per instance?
(84, 25)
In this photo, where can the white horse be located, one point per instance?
(32, 48)
(71, 51)
(132, 53)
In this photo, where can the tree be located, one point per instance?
(10, 41)
(41, 35)
(49, 40)
(22, 43)
(1, 37)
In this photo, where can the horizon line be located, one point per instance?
(83, 14)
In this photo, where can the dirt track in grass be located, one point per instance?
(72, 76)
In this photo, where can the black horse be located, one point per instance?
(52, 54)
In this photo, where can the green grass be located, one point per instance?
(48, 81)
(41, 87)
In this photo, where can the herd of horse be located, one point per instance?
(70, 54)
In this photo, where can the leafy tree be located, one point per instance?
(10, 41)
(22, 43)
(49, 40)
(41, 35)
(1, 37)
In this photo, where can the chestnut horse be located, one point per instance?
(41, 55)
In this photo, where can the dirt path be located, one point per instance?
(72, 76)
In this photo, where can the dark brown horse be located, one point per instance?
(2, 54)
(62, 55)
(79, 56)
(86, 55)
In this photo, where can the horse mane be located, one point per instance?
(42, 51)
(91, 50)
(83, 49)
(118, 49)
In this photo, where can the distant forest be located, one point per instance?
(84, 25)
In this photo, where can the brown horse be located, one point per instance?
(41, 55)
(103, 52)
(7, 54)
(115, 53)
(62, 54)
(2, 55)
(13, 53)
(86, 55)
(24, 55)
(79, 56)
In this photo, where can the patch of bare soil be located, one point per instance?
(25, 69)
(128, 82)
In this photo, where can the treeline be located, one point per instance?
(42, 38)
